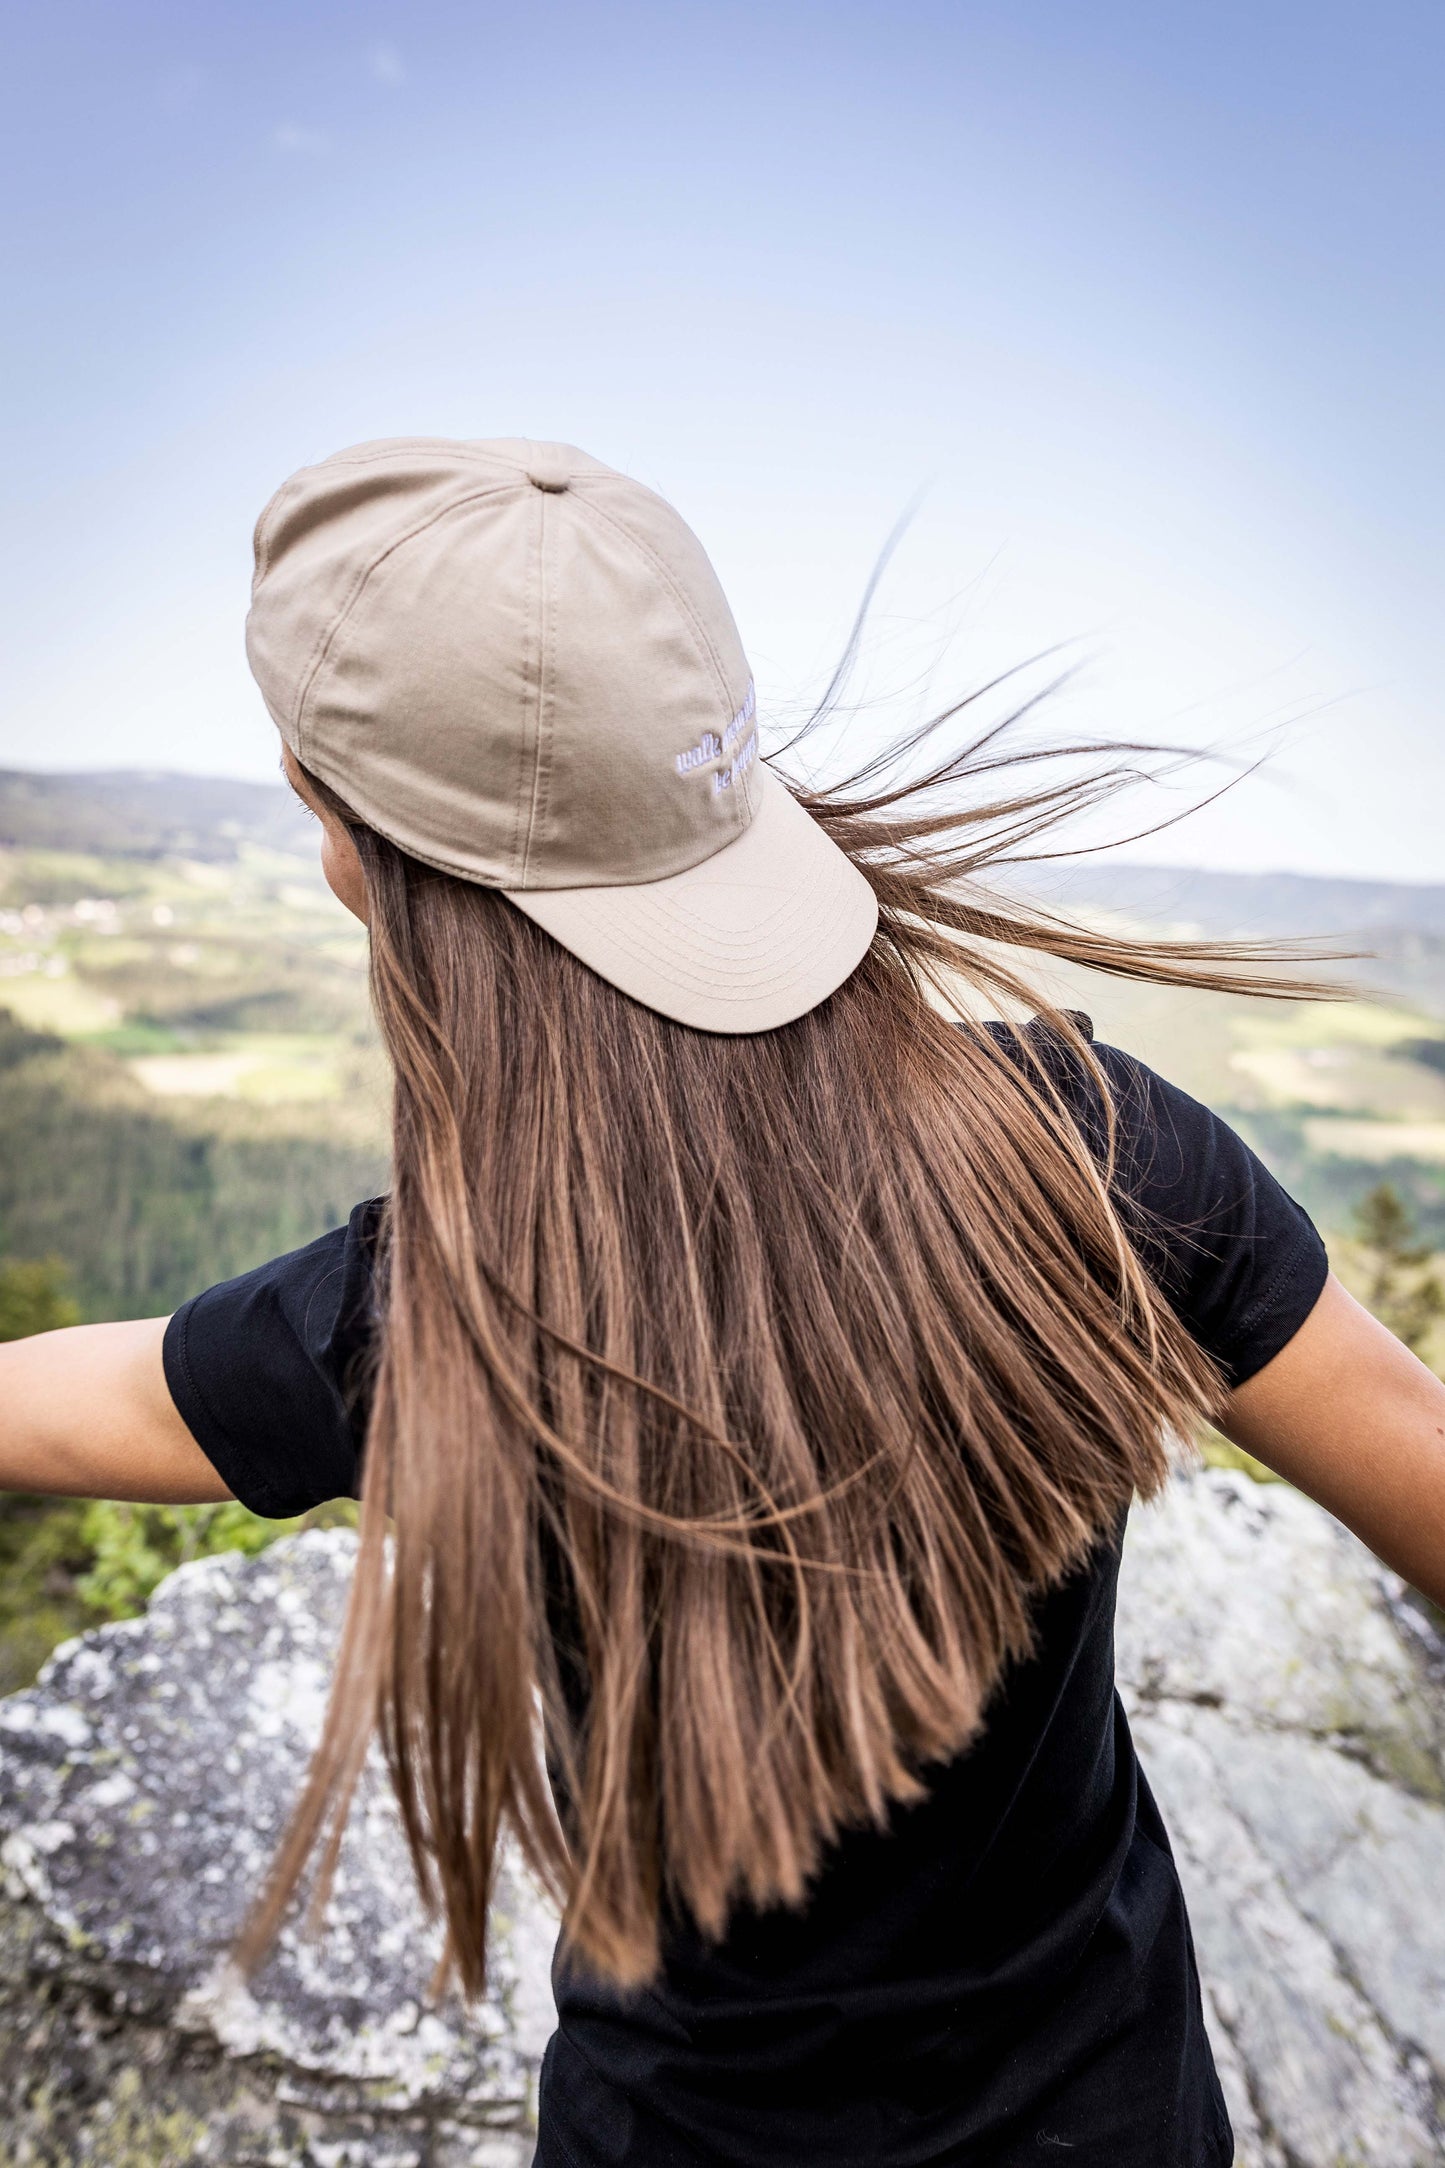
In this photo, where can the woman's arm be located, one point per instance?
(1344, 1412)
(1348, 1414)
(85, 1412)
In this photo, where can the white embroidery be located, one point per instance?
(707, 748)
(728, 778)
(741, 752)
(740, 721)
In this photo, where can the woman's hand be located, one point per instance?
(1348, 1414)
(85, 1412)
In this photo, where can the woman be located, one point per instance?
(752, 1366)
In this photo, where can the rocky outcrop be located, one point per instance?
(1288, 1699)
(143, 1784)
(1290, 1707)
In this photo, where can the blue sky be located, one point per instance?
(1150, 298)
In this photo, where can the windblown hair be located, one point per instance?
(736, 1397)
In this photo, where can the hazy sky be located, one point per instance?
(1150, 297)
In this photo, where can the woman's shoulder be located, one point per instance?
(271, 1370)
(1123, 1104)
(1236, 1256)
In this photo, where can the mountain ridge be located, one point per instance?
(154, 812)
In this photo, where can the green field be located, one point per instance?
(189, 1079)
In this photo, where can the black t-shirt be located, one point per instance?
(1002, 1976)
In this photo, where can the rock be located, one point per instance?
(143, 1783)
(1288, 1700)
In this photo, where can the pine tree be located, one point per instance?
(1401, 1289)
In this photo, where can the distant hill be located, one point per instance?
(1395, 928)
(1265, 903)
(152, 813)
(140, 813)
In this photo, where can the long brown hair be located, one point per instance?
(736, 1397)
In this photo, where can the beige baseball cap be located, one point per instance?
(519, 666)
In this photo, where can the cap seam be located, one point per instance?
(698, 630)
(499, 882)
(744, 979)
(678, 593)
(546, 674)
(456, 450)
(261, 535)
(740, 970)
(641, 939)
(326, 640)
(531, 682)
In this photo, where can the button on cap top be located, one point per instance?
(545, 470)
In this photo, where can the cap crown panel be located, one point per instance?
(643, 669)
(423, 713)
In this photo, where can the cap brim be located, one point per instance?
(756, 935)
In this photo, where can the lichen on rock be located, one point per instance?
(1286, 1696)
(143, 1784)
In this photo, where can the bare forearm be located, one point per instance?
(84, 1412)
(1348, 1415)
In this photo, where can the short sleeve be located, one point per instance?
(1233, 1254)
(271, 1372)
